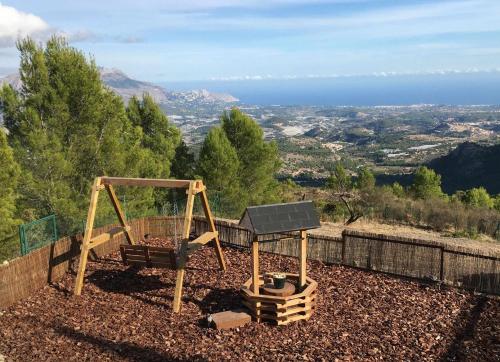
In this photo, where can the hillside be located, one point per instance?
(469, 165)
(127, 87)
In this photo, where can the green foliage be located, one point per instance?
(339, 180)
(365, 180)
(398, 189)
(160, 137)
(496, 203)
(159, 141)
(236, 162)
(183, 164)
(258, 160)
(8, 183)
(426, 184)
(218, 166)
(289, 190)
(66, 128)
(478, 197)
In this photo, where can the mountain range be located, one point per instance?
(127, 87)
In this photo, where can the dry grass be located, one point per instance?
(335, 229)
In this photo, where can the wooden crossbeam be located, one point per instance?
(201, 240)
(125, 181)
(107, 236)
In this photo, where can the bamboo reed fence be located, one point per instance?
(465, 267)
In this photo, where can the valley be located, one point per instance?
(390, 140)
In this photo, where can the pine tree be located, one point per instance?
(366, 179)
(159, 141)
(159, 135)
(426, 184)
(66, 128)
(8, 183)
(258, 160)
(478, 197)
(218, 166)
(183, 164)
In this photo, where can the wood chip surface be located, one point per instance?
(124, 314)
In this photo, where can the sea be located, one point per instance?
(450, 89)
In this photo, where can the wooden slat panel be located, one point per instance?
(137, 262)
(141, 254)
(292, 311)
(159, 249)
(133, 252)
(163, 265)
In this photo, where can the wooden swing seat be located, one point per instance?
(148, 256)
(162, 257)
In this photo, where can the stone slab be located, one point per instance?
(230, 319)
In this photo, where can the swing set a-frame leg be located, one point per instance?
(181, 262)
(86, 237)
(211, 226)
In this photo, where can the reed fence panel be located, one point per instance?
(463, 267)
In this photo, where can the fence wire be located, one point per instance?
(38, 233)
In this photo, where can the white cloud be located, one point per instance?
(374, 74)
(16, 24)
(402, 20)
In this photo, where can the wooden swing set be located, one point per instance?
(142, 254)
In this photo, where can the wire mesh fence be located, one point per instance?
(38, 233)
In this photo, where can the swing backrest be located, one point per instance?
(148, 256)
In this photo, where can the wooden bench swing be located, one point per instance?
(145, 255)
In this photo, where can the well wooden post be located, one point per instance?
(255, 265)
(303, 258)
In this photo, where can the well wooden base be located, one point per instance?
(281, 310)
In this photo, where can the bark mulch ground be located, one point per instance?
(125, 314)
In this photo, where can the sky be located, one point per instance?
(162, 41)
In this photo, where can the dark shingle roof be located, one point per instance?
(278, 218)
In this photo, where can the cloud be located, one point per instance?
(87, 36)
(402, 20)
(128, 39)
(15, 24)
(359, 75)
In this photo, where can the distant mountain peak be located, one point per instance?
(128, 87)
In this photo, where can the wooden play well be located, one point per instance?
(281, 310)
(269, 223)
